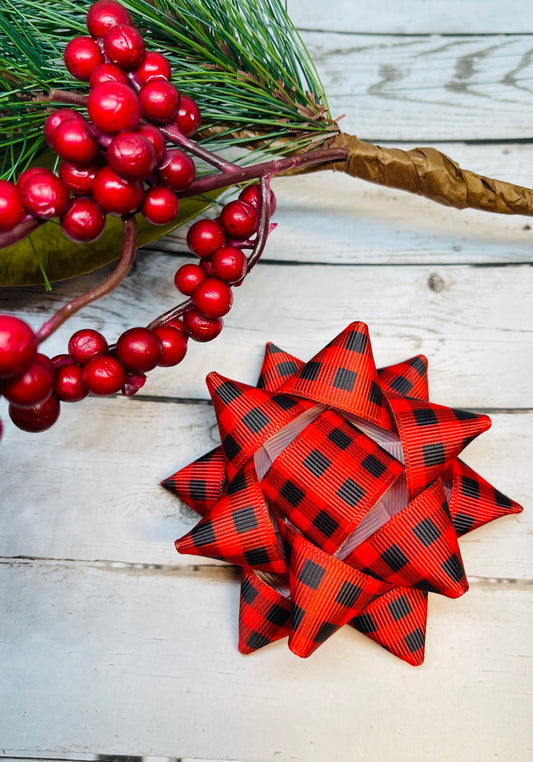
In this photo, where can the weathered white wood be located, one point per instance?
(474, 323)
(427, 87)
(89, 488)
(105, 660)
(414, 16)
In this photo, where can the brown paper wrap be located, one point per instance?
(431, 174)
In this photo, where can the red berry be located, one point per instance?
(82, 55)
(55, 119)
(86, 343)
(213, 298)
(200, 328)
(73, 142)
(11, 209)
(33, 386)
(59, 360)
(178, 325)
(83, 221)
(105, 14)
(103, 375)
(115, 195)
(132, 156)
(177, 170)
(188, 277)
(189, 119)
(205, 237)
(79, 180)
(160, 101)
(160, 205)
(239, 219)
(139, 349)
(132, 384)
(113, 107)
(44, 195)
(156, 138)
(124, 46)
(229, 264)
(37, 418)
(68, 386)
(252, 195)
(18, 346)
(174, 343)
(155, 65)
(107, 72)
(28, 174)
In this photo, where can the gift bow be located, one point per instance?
(338, 489)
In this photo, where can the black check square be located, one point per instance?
(228, 392)
(316, 463)
(248, 591)
(374, 466)
(344, 379)
(255, 420)
(244, 519)
(425, 417)
(257, 556)
(348, 594)
(427, 532)
(399, 608)
(311, 574)
(350, 492)
(434, 454)
(394, 558)
(310, 371)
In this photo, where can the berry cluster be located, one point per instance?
(115, 161)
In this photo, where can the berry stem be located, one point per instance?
(171, 314)
(124, 264)
(67, 96)
(263, 227)
(25, 227)
(177, 137)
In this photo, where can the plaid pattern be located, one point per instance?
(237, 528)
(325, 593)
(278, 366)
(344, 376)
(328, 479)
(247, 417)
(473, 501)
(264, 614)
(416, 548)
(409, 378)
(200, 483)
(432, 436)
(397, 621)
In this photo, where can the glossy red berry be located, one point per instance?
(18, 346)
(33, 386)
(107, 72)
(59, 360)
(177, 323)
(200, 328)
(160, 205)
(205, 237)
(188, 277)
(85, 344)
(83, 221)
(73, 142)
(11, 209)
(160, 101)
(124, 46)
(177, 170)
(103, 375)
(132, 384)
(239, 220)
(78, 180)
(154, 66)
(252, 195)
(82, 55)
(68, 386)
(105, 14)
(44, 195)
(212, 298)
(113, 107)
(189, 119)
(28, 174)
(37, 418)
(55, 119)
(139, 349)
(131, 156)
(229, 264)
(156, 138)
(174, 343)
(115, 195)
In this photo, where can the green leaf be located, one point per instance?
(61, 258)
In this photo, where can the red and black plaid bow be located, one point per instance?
(338, 490)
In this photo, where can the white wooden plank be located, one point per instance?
(427, 87)
(474, 323)
(106, 661)
(414, 16)
(89, 488)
